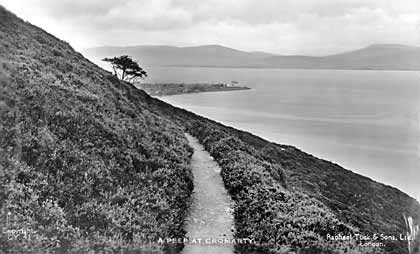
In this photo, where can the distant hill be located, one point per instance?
(209, 55)
(376, 57)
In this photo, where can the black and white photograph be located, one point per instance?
(212, 126)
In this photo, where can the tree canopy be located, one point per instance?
(126, 68)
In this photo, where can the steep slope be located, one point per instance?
(85, 165)
(376, 57)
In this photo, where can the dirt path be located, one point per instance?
(210, 219)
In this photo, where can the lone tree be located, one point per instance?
(125, 68)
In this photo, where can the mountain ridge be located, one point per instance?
(375, 56)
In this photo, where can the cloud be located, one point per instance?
(261, 12)
(288, 26)
(111, 14)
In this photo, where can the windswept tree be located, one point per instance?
(126, 68)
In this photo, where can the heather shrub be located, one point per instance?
(86, 166)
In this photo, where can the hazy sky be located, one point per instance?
(312, 27)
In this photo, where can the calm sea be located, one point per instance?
(366, 121)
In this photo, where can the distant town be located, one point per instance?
(162, 89)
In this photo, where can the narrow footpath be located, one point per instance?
(210, 223)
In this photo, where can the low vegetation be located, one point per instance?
(84, 166)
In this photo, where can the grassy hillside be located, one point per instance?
(90, 163)
(85, 165)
